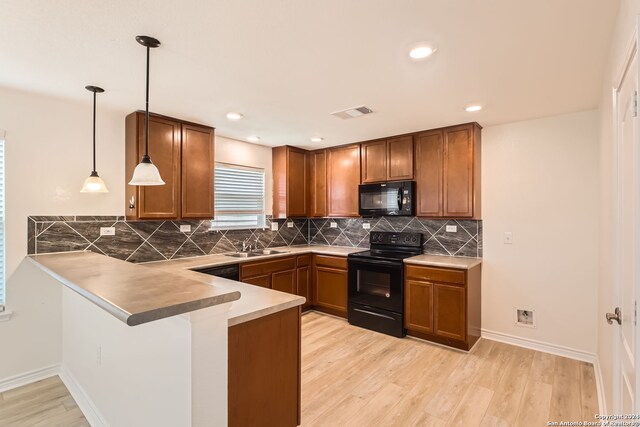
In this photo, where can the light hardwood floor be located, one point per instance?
(355, 377)
(45, 403)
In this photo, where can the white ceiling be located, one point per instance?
(287, 64)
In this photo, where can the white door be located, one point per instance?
(627, 235)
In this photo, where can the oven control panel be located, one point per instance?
(395, 238)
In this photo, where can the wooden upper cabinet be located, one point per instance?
(290, 182)
(400, 158)
(197, 171)
(387, 160)
(429, 155)
(318, 183)
(184, 154)
(161, 201)
(448, 172)
(374, 161)
(343, 178)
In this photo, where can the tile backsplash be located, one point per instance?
(143, 241)
(465, 241)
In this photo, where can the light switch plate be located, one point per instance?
(452, 228)
(290, 224)
(274, 226)
(333, 224)
(508, 238)
(185, 228)
(366, 225)
(107, 231)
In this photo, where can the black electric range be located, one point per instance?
(376, 281)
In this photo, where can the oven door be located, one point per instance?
(376, 283)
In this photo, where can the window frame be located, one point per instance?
(261, 213)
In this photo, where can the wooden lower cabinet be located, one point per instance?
(443, 305)
(284, 281)
(330, 284)
(304, 280)
(264, 371)
(263, 281)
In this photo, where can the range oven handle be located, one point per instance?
(375, 262)
(400, 198)
(374, 314)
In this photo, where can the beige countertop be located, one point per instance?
(140, 293)
(444, 261)
(131, 293)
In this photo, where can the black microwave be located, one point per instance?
(387, 198)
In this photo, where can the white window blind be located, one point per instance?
(239, 197)
(2, 220)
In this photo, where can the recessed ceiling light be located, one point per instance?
(422, 51)
(317, 139)
(472, 108)
(253, 138)
(234, 116)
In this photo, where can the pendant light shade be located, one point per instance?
(94, 184)
(146, 173)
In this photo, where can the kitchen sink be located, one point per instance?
(259, 252)
(243, 254)
(268, 252)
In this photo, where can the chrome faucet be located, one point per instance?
(255, 243)
(246, 245)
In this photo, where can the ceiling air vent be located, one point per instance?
(352, 112)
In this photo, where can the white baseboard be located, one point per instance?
(544, 347)
(29, 377)
(602, 402)
(86, 405)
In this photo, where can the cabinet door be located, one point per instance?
(284, 281)
(429, 162)
(449, 311)
(458, 171)
(303, 285)
(343, 178)
(400, 158)
(374, 161)
(418, 306)
(331, 289)
(263, 281)
(297, 182)
(197, 171)
(161, 201)
(318, 184)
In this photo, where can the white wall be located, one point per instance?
(48, 156)
(624, 29)
(540, 182)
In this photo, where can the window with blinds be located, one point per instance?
(239, 197)
(2, 257)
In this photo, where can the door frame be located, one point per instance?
(631, 54)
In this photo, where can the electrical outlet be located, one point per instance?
(508, 238)
(107, 231)
(185, 228)
(452, 228)
(290, 224)
(274, 226)
(333, 224)
(366, 225)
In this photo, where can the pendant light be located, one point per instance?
(146, 173)
(94, 184)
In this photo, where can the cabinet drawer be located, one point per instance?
(331, 261)
(252, 269)
(435, 274)
(303, 260)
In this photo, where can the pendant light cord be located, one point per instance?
(94, 133)
(146, 142)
